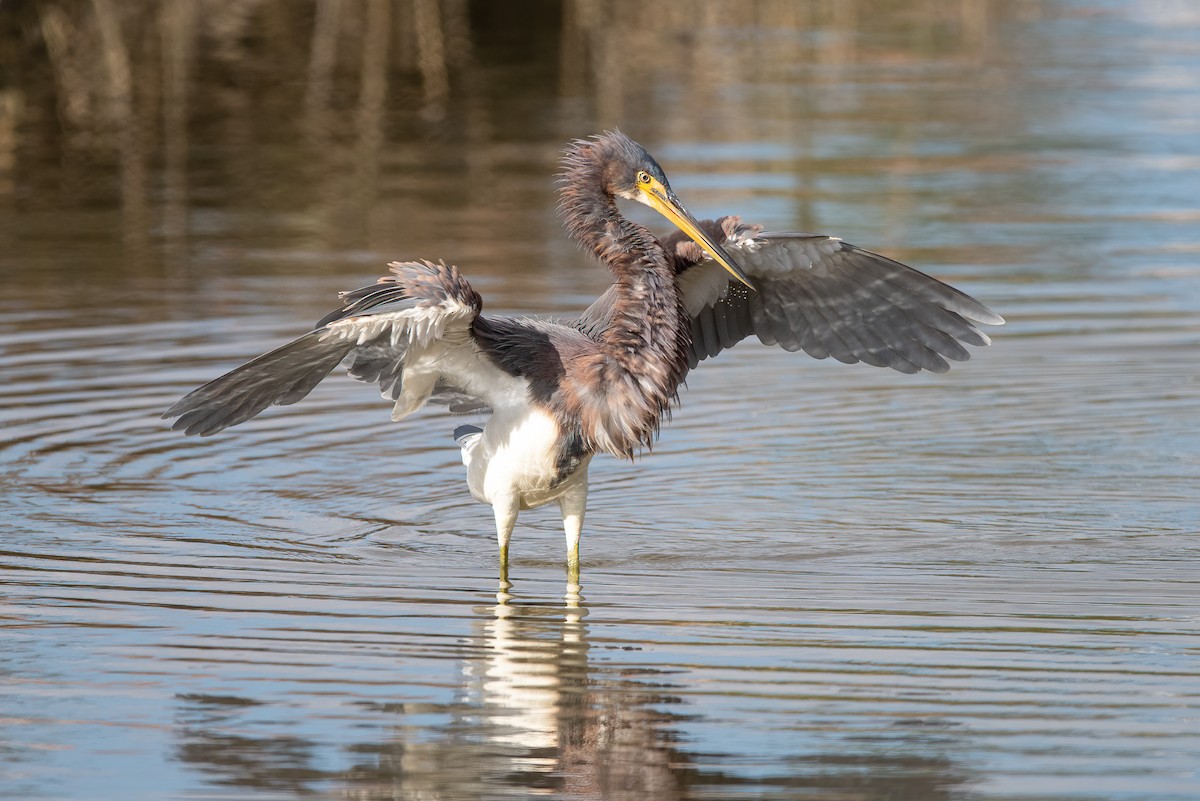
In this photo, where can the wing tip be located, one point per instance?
(986, 316)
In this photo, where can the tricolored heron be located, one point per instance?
(558, 393)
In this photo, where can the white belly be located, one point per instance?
(516, 457)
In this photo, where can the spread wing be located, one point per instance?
(410, 332)
(820, 295)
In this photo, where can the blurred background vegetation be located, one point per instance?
(314, 110)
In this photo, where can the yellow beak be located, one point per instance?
(663, 200)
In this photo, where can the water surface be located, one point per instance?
(825, 582)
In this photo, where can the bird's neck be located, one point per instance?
(646, 341)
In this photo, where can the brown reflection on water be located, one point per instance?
(324, 118)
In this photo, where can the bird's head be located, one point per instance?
(626, 170)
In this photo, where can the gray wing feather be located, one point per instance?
(825, 297)
(458, 402)
(371, 328)
(723, 325)
(283, 376)
(599, 314)
(380, 361)
(374, 299)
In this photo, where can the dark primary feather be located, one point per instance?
(283, 376)
(820, 295)
(289, 373)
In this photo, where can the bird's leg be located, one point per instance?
(506, 520)
(573, 503)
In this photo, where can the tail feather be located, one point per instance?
(283, 376)
(464, 433)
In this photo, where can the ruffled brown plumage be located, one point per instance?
(619, 392)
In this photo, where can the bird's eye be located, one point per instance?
(643, 178)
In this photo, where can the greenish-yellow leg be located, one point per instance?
(506, 520)
(572, 505)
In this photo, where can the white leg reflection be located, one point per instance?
(533, 673)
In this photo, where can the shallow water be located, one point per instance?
(825, 582)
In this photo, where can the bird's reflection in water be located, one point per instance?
(533, 719)
(534, 671)
(565, 730)
(536, 713)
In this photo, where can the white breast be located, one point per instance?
(516, 457)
